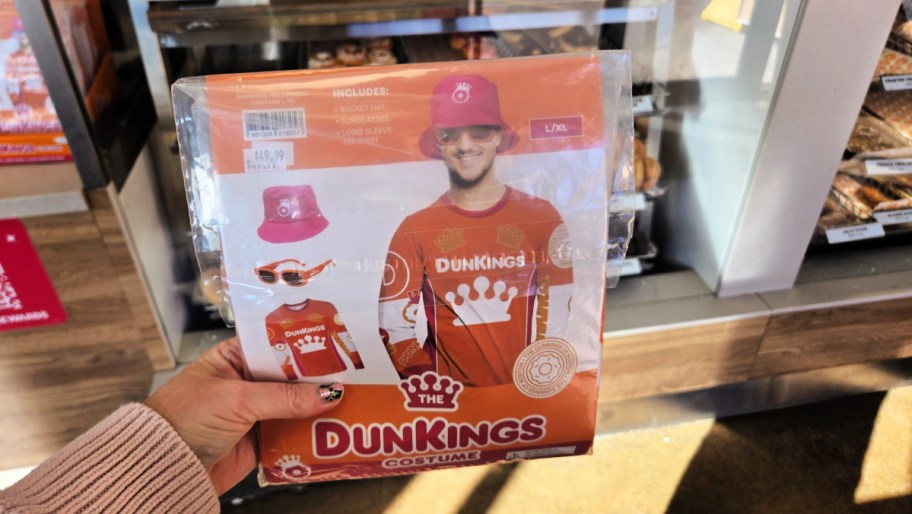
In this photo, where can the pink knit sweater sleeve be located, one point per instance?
(132, 461)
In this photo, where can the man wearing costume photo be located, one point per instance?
(490, 263)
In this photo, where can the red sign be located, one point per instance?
(27, 298)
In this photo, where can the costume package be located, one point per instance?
(437, 237)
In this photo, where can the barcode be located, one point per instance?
(541, 452)
(287, 123)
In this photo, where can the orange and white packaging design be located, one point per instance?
(437, 237)
(25, 105)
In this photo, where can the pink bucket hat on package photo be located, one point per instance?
(461, 101)
(291, 214)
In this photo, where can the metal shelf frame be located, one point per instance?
(104, 149)
(178, 33)
(170, 24)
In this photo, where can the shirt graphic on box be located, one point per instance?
(493, 282)
(306, 338)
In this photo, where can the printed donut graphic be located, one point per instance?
(396, 276)
(545, 368)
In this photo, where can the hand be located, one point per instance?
(214, 409)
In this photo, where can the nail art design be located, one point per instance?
(331, 392)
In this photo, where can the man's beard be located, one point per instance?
(457, 180)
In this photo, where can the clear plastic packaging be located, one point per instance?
(436, 236)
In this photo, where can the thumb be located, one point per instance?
(279, 400)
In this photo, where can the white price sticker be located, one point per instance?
(896, 82)
(643, 104)
(894, 217)
(640, 201)
(888, 166)
(268, 156)
(854, 233)
(631, 266)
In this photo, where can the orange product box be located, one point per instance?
(434, 236)
(26, 148)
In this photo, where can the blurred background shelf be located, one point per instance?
(186, 24)
(40, 189)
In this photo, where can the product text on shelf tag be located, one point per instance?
(854, 233)
(642, 104)
(631, 266)
(896, 82)
(888, 166)
(896, 217)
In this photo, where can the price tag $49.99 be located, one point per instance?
(268, 156)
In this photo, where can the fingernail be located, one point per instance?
(331, 392)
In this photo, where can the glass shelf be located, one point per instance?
(183, 24)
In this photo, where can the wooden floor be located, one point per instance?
(56, 382)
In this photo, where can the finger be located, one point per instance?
(278, 400)
(224, 360)
(227, 472)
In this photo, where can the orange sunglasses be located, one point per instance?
(477, 134)
(293, 277)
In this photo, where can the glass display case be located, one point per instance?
(869, 204)
(742, 116)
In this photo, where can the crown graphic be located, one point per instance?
(310, 344)
(510, 235)
(449, 239)
(461, 93)
(483, 309)
(430, 391)
(284, 208)
(292, 468)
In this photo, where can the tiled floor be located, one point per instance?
(850, 455)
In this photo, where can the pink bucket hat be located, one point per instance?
(460, 101)
(291, 214)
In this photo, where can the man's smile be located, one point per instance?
(469, 158)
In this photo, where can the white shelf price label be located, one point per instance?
(896, 82)
(854, 233)
(631, 266)
(894, 217)
(643, 104)
(622, 202)
(268, 156)
(888, 166)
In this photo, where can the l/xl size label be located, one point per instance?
(888, 166)
(854, 233)
(896, 82)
